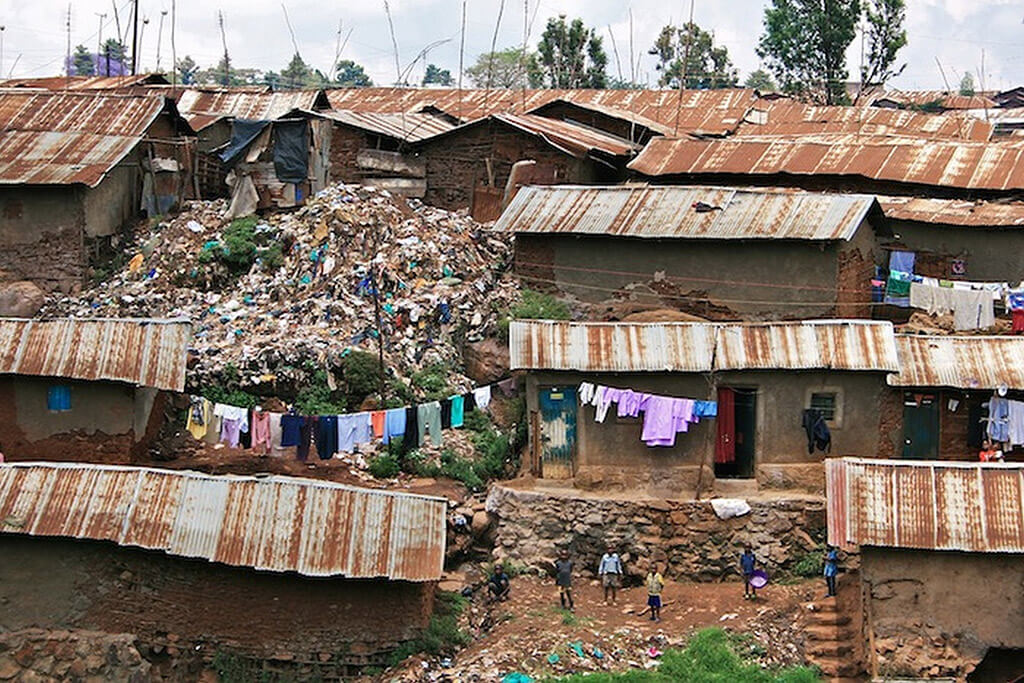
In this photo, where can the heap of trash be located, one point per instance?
(275, 299)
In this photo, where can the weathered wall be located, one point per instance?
(933, 613)
(720, 279)
(59, 583)
(345, 145)
(588, 117)
(41, 235)
(115, 201)
(107, 422)
(855, 267)
(533, 525)
(610, 454)
(457, 163)
(991, 254)
(38, 655)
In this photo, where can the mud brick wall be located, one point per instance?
(42, 236)
(202, 606)
(685, 535)
(345, 146)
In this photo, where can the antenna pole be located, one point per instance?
(99, 45)
(174, 50)
(462, 51)
(135, 37)
(160, 38)
(224, 42)
(632, 68)
(394, 42)
(68, 26)
(686, 60)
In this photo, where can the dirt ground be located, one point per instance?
(522, 633)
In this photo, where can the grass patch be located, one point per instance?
(384, 466)
(442, 635)
(533, 305)
(711, 656)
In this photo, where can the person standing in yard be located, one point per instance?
(748, 563)
(563, 579)
(831, 569)
(655, 584)
(610, 571)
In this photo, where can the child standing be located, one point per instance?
(655, 584)
(563, 579)
(748, 563)
(831, 569)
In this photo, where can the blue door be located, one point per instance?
(558, 432)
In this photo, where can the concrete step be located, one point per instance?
(827, 633)
(836, 666)
(828, 619)
(834, 648)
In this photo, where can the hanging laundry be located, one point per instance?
(291, 430)
(377, 420)
(326, 436)
(468, 402)
(664, 417)
(705, 409)
(458, 404)
(213, 433)
(306, 427)
(233, 413)
(412, 430)
(428, 416)
(394, 424)
(1015, 422)
(261, 440)
(482, 396)
(1017, 325)
(607, 397)
(972, 310)
(725, 444)
(629, 403)
(508, 387)
(446, 414)
(230, 431)
(276, 433)
(897, 289)
(999, 419)
(198, 419)
(818, 434)
(354, 430)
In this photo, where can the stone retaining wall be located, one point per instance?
(38, 655)
(686, 535)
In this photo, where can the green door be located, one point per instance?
(921, 426)
(558, 432)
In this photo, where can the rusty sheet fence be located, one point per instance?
(272, 523)
(971, 507)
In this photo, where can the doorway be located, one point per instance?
(557, 432)
(920, 426)
(737, 429)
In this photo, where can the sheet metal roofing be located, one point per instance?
(701, 347)
(571, 138)
(929, 505)
(610, 112)
(983, 362)
(150, 353)
(86, 82)
(971, 165)
(274, 523)
(786, 117)
(63, 138)
(954, 211)
(942, 98)
(249, 105)
(707, 111)
(407, 126)
(667, 212)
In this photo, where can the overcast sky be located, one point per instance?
(955, 32)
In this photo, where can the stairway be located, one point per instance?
(831, 641)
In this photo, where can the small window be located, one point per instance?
(58, 398)
(825, 403)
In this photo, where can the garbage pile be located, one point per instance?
(275, 300)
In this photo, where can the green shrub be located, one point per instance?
(536, 306)
(361, 373)
(432, 381)
(442, 635)
(384, 466)
(460, 469)
(809, 564)
(415, 462)
(240, 245)
(316, 398)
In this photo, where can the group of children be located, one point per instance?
(610, 572)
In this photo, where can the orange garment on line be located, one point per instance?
(377, 421)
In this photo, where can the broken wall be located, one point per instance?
(41, 235)
(195, 605)
(935, 613)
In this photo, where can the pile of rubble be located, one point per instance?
(439, 279)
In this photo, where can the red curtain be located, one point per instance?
(725, 446)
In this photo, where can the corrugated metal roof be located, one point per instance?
(611, 112)
(662, 211)
(812, 344)
(611, 347)
(932, 505)
(201, 121)
(62, 138)
(407, 126)
(786, 117)
(575, 140)
(701, 347)
(86, 82)
(274, 523)
(699, 111)
(944, 99)
(249, 105)
(150, 353)
(954, 211)
(961, 362)
(970, 165)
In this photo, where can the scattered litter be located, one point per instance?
(727, 617)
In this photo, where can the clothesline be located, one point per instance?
(664, 416)
(268, 431)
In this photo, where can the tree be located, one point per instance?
(506, 69)
(572, 55)
(886, 36)
(967, 84)
(348, 74)
(804, 43)
(112, 58)
(297, 74)
(82, 62)
(760, 80)
(437, 75)
(707, 66)
(187, 70)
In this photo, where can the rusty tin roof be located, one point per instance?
(943, 163)
(274, 523)
(958, 212)
(702, 347)
(150, 353)
(790, 118)
(930, 505)
(407, 126)
(983, 362)
(943, 98)
(667, 212)
(64, 138)
(250, 105)
(87, 82)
